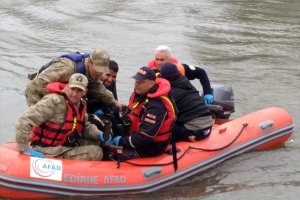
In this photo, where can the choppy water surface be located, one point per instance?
(251, 45)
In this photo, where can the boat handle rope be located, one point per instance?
(189, 148)
(225, 146)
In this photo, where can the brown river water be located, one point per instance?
(251, 45)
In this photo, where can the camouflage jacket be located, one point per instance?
(52, 108)
(61, 70)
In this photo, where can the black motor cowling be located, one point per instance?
(223, 104)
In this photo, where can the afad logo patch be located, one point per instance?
(46, 168)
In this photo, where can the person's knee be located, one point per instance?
(87, 152)
(95, 152)
(204, 133)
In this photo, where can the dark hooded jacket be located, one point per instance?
(188, 101)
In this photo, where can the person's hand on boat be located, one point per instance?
(209, 99)
(33, 153)
(116, 140)
(106, 139)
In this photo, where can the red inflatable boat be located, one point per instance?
(22, 176)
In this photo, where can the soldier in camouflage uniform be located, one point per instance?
(60, 70)
(45, 128)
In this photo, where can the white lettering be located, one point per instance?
(114, 179)
(69, 178)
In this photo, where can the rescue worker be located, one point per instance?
(60, 70)
(163, 54)
(194, 120)
(152, 115)
(57, 125)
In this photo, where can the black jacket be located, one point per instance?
(188, 101)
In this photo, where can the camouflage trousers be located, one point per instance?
(83, 152)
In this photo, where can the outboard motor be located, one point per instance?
(223, 104)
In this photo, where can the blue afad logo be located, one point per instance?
(46, 167)
(51, 166)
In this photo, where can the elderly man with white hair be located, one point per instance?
(163, 54)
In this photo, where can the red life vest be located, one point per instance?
(51, 134)
(136, 107)
(152, 63)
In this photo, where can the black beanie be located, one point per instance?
(169, 71)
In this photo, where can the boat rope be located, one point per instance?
(225, 146)
(155, 165)
(189, 148)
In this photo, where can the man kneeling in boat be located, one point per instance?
(194, 120)
(152, 115)
(58, 126)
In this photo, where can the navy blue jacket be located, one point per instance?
(192, 72)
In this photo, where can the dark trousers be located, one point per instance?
(150, 150)
(180, 133)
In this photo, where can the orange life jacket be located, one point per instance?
(180, 68)
(136, 107)
(51, 134)
(152, 63)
